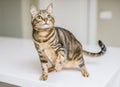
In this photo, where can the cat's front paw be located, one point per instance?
(44, 77)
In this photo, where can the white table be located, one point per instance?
(20, 65)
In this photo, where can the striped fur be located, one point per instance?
(56, 45)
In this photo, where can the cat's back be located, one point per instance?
(65, 34)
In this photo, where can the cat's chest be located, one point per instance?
(48, 51)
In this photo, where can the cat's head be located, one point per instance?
(42, 19)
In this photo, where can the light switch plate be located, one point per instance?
(106, 15)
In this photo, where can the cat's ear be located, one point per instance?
(33, 10)
(50, 8)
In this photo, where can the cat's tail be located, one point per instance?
(103, 50)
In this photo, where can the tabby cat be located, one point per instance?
(56, 45)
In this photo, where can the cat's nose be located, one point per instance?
(45, 20)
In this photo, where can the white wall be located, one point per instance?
(70, 14)
(11, 18)
(109, 29)
(26, 18)
(15, 18)
(92, 21)
(0, 17)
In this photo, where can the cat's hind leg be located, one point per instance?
(83, 68)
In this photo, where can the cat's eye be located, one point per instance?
(39, 17)
(48, 16)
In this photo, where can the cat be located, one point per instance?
(56, 45)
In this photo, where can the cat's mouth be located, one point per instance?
(46, 25)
